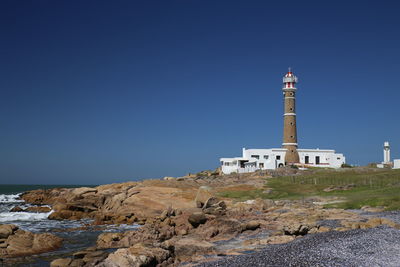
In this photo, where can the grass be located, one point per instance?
(244, 195)
(372, 187)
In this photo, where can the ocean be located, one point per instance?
(74, 240)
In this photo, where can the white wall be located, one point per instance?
(396, 164)
(270, 159)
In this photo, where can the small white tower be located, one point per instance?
(386, 153)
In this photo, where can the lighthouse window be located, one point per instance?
(291, 109)
(291, 123)
(291, 136)
(291, 94)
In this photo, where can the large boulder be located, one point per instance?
(197, 218)
(138, 255)
(22, 243)
(185, 248)
(7, 229)
(203, 194)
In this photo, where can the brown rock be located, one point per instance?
(16, 209)
(297, 229)
(7, 229)
(187, 247)
(203, 194)
(38, 209)
(83, 190)
(61, 262)
(278, 239)
(136, 256)
(109, 240)
(251, 225)
(26, 243)
(197, 218)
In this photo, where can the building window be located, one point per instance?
(278, 157)
(261, 165)
(227, 164)
(222, 163)
(266, 156)
(255, 156)
(338, 158)
(307, 159)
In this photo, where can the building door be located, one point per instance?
(307, 159)
(317, 160)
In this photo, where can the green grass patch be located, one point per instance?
(368, 187)
(244, 195)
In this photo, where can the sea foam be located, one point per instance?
(13, 198)
(22, 216)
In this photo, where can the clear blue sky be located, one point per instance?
(107, 91)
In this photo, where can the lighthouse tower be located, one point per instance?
(289, 121)
(386, 153)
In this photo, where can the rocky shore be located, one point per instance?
(186, 222)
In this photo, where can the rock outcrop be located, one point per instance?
(15, 242)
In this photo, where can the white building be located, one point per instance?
(270, 159)
(396, 164)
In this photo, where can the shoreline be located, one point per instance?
(185, 221)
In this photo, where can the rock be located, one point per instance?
(61, 215)
(38, 209)
(210, 202)
(61, 262)
(109, 240)
(251, 225)
(16, 209)
(203, 194)
(7, 229)
(26, 243)
(296, 229)
(197, 218)
(136, 256)
(95, 257)
(83, 190)
(168, 178)
(278, 239)
(187, 247)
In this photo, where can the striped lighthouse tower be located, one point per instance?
(289, 121)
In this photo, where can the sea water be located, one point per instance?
(75, 239)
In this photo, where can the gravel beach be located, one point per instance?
(362, 247)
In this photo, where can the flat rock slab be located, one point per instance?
(362, 247)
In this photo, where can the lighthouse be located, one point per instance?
(289, 119)
(386, 153)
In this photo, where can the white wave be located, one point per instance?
(6, 217)
(12, 198)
